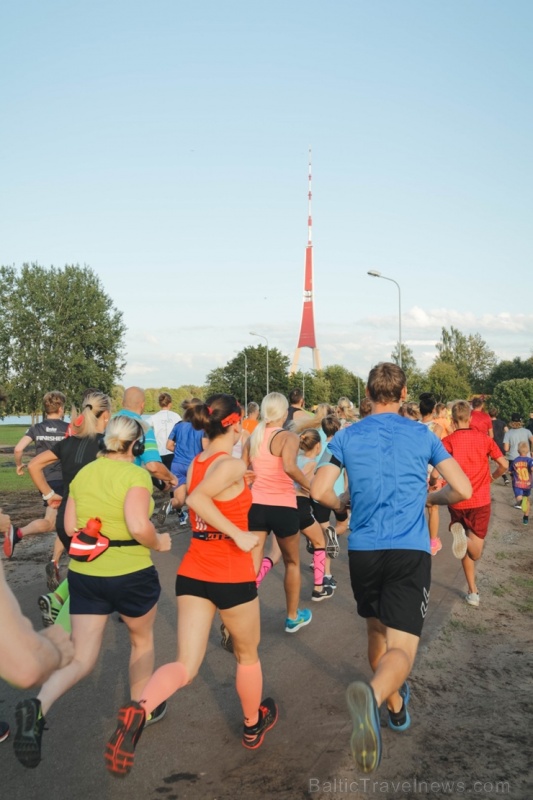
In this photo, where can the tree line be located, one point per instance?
(58, 328)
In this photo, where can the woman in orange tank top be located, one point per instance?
(217, 573)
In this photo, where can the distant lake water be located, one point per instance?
(26, 420)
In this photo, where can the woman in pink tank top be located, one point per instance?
(271, 453)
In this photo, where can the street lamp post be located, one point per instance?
(376, 274)
(253, 333)
(245, 384)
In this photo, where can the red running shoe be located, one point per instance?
(120, 749)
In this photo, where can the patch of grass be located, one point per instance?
(501, 555)
(499, 591)
(526, 608)
(522, 583)
(10, 434)
(9, 480)
(466, 627)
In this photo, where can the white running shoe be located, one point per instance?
(460, 542)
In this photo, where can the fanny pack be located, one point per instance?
(88, 543)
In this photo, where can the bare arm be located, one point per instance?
(457, 487)
(18, 451)
(289, 444)
(136, 511)
(221, 476)
(322, 487)
(503, 466)
(158, 470)
(26, 657)
(36, 472)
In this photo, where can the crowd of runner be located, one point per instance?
(377, 473)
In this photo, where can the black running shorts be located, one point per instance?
(132, 595)
(392, 586)
(283, 521)
(222, 595)
(322, 514)
(305, 513)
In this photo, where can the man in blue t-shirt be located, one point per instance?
(386, 459)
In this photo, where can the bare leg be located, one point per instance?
(141, 630)
(44, 525)
(391, 654)
(290, 549)
(473, 553)
(87, 633)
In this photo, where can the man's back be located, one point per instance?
(471, 449)
(386, 458)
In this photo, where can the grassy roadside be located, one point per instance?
(9, 480)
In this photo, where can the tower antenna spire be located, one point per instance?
(307, 336)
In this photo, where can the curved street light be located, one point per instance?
(253, 333)
(376, 274)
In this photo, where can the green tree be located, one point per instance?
(231, 378)
(58, 330)
(343, 383)
(446, 383)
(514, 397)
(469, 355)
(508, 370)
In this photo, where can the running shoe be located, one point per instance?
(226, 640)
(400, 720)
(11, 538)
(506, 480)
(4, 731)
(253, 735)
(309, 546)
(366, 736)
(525, 519)
(325, 592)
(332, 542)
(329, 580)
(472, 598)
(163, 513)
(50, 608)
(29, 732)
(52, 576)
(120, 749)
(157, 714)
(303, 617)
(460, 542)
(435, 545)
(183, 518)
(516, 505)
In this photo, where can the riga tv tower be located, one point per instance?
(307, 330)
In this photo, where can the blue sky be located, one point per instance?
(165, 145)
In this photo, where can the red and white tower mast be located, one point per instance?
(307, 330)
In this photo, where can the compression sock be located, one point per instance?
(249, 685)
(266, 566)
(63, 617)
(164, 682)
(61, 593)
(319, 566)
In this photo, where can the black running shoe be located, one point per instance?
(323, 593)
(157, 714)
(309, 546)
(29, 732)
(4, 731)
(252, 737)
(120, 749)
(49, 609)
